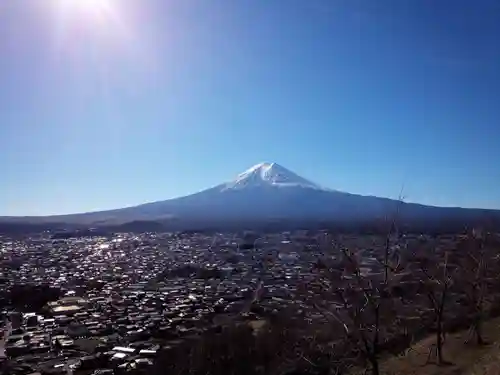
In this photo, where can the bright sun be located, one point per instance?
(91, 7)
(95, 29)
(91, 22)
(97, 17)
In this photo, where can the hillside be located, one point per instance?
(465, 359)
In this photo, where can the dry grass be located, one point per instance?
(465, 359)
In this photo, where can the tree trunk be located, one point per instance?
(439, 340)
(375, 366)
(478, 331)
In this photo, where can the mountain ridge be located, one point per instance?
(266, 191)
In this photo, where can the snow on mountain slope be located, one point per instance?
(269, 174)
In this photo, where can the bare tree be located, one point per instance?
(474, 281)
(436, 281)
(362, 302)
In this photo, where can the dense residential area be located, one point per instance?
(133, 303)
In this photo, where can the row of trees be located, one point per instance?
(431, 288)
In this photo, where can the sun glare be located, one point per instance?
(98, 20)
(92, 8)
(92, 35)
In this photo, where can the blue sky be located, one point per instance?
(130, 101)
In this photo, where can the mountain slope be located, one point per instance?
(267, 191)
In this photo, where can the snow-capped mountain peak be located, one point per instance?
(269, 174)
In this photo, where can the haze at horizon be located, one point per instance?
(149, 100)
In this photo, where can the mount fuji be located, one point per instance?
(266, 191)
